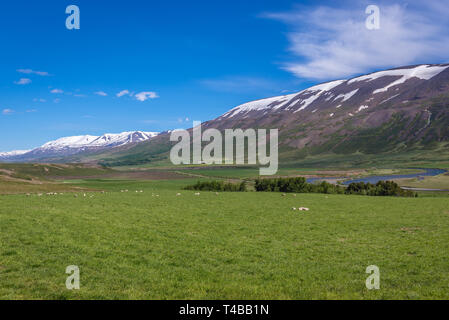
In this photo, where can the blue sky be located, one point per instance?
(192, 60)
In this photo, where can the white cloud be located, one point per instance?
(122, 93)
(31, 110)
(101, 93)
(7, 111)
(142, 96)
(23, 81)
(334, 43)
(29, 71)
(56, 91)
(39, 100)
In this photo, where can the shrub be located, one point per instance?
(217, 186)
(381, 188)
(296, 185)
(300, 185)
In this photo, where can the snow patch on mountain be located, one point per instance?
(13, 153)
(275, 103)
(346, 96)
(362, 108)
(424, 72)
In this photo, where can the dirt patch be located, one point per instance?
(8, 172)
(410, 229)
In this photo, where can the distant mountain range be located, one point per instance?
(393, 111)
(70, 146)
(390, 111)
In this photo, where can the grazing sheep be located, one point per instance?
(76, 196)
(28, 194)
(39, 194)
(84, 195)
(178, 194)
(303, 209)
(197, 193)
(216, 193)
(294, 195)
(283, 194)
(293, 208)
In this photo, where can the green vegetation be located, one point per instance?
(297, 185)
(157, 244)
(381, 188)
(217, 186)
(233, 246)
(438, 182)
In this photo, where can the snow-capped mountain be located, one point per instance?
(401, 107)
(13, 153)
(106, 140)
(76, 144)
(335, 92)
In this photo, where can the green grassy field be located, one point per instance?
(157, 245)
(438, 182)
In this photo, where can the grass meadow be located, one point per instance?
(156, 244)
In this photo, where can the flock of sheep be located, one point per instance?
(153, 195)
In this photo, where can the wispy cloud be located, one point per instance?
(57, 91)
(335, 43)
(7, 112)
(23, 81)
(57, 100)
(31, 111)
(101, 93)
(30, 71)
(143, 96)
(122, 93)
(39, 100)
